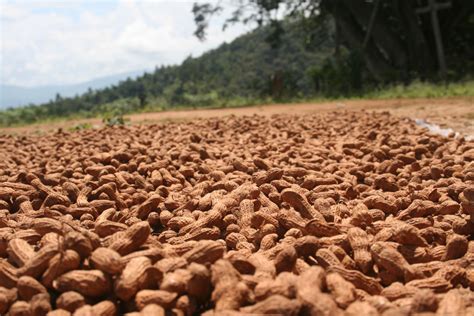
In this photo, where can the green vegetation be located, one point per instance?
(416, 89)
(244, 72)
(419, 89)
(80, 127)
(389, 40)
(327, 56)
(114, 120)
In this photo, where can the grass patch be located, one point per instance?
(418, 89)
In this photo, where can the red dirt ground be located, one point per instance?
(455, 113)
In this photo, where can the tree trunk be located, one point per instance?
(419, 52)
(354, 37)
(390, 44)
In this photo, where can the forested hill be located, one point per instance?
(249, 68)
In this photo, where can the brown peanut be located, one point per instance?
(91, 283)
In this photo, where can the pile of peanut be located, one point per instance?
(347, 213)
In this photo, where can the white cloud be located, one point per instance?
(57, 42)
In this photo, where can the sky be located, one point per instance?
(49, 42)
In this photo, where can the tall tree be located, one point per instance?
(394, 41)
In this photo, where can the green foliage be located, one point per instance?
(113, 113)
(117, 120)
(118, 107)
(339, 76)
(250, 70)
(201, 100)
(395, 41)
(419, 89)
(235, 74)
(80, 127)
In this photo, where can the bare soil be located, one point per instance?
(455, 113)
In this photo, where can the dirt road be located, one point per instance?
(455, 113)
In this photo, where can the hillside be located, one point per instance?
(247, 69)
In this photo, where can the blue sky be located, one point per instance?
(47, 42)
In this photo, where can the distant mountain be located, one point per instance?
(14, 96)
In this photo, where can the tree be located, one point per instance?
(141, 94)
(58, 98)
(394, 41)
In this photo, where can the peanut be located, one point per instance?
(342, 290)
(275, 304)
(91, 283)
(70, 301)
(20, 251)
(107, 260)
(327, 214)
(136, 275)
(133, 238)
(359, 241)
(229, 292)
(158, 297)
(29, 287)
(60, 263)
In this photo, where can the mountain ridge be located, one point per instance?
(16, 96)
